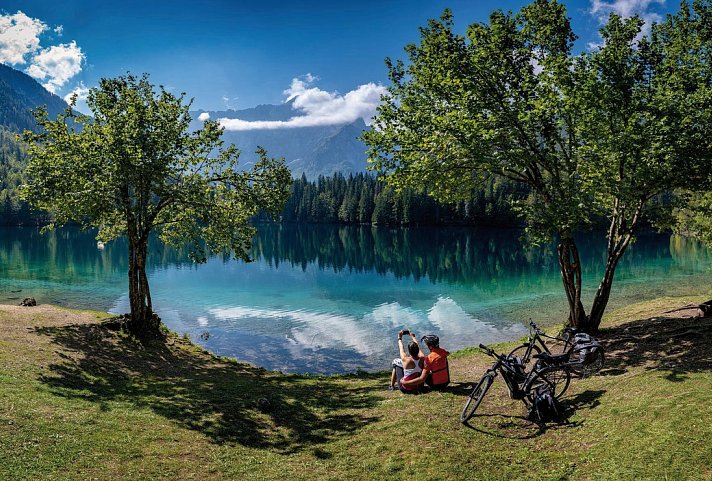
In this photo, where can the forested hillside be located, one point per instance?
(362, 199)
(12, 166)
(20, 94)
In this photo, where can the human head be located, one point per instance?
(413, 349)
(431, 340)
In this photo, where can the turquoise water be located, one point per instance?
(331, 299)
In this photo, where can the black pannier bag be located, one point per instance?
(545, 408)
(586, 349)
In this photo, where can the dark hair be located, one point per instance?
(413, 349)
(431, 340)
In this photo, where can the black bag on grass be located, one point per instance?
(545, 408)
(586, 349)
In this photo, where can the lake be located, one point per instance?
(331, 299)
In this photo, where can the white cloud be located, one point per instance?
(81, 92)
(602, 9)
(19, 36)
(204, 116)
(319, 107)
(56, 65)
(59, 30)
(625, 8)
(536, 65)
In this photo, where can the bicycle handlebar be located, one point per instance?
(491, 352)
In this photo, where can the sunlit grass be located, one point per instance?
(79, 401)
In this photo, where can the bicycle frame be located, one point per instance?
(518, 384)
(536, 337)
(521, 385)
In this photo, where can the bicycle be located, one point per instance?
(580, 367)
(535, 343)
(550, 370)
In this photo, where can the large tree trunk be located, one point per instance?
(570, 266)
(620, 235)
(143, 321)
(603, 294)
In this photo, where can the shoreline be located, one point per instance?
(610, 318)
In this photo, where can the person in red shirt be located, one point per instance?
(436, 372)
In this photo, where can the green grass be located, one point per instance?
(80, 401)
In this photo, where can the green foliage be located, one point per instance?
(12, 167)
(363, 199)
(695, 219)
(135, 163)
(469, 106)
(597, 134)
(134, 168)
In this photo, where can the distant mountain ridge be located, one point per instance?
(20, 94)
(313, 151)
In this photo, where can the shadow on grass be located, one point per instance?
(228, 402)
(676, 346)
(505, 426)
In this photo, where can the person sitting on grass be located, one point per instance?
(436, 363)
(435, 372)
(408, 366)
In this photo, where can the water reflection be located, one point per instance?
(440, 255)
(330, 299)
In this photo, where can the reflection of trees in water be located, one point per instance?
(68, 254)
(442, 255)
(690, 254)
(453, 255)
(463, 256)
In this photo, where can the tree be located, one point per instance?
(135, 169)
(595, 134)
(695, 217)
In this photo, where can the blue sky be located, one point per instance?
(237, 54)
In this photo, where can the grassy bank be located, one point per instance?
(81, 401)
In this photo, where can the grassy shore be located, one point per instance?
(79, 400)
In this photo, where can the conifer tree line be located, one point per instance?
(362, 199)
(12, 167)
(335, 199)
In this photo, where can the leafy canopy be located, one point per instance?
(134, 167)
(594, 134)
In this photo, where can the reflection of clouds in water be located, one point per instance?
(318, 339)
(394, 317)
(313, 330)
(373, 333)
(451, 319)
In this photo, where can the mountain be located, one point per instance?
(20, 94)
(313, 151)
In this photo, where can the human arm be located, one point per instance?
(421, 354)
(403, 355)
(418, 380)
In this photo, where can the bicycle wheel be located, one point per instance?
(476, 396)
(589, 369)
(521, 352)
(557, 378)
